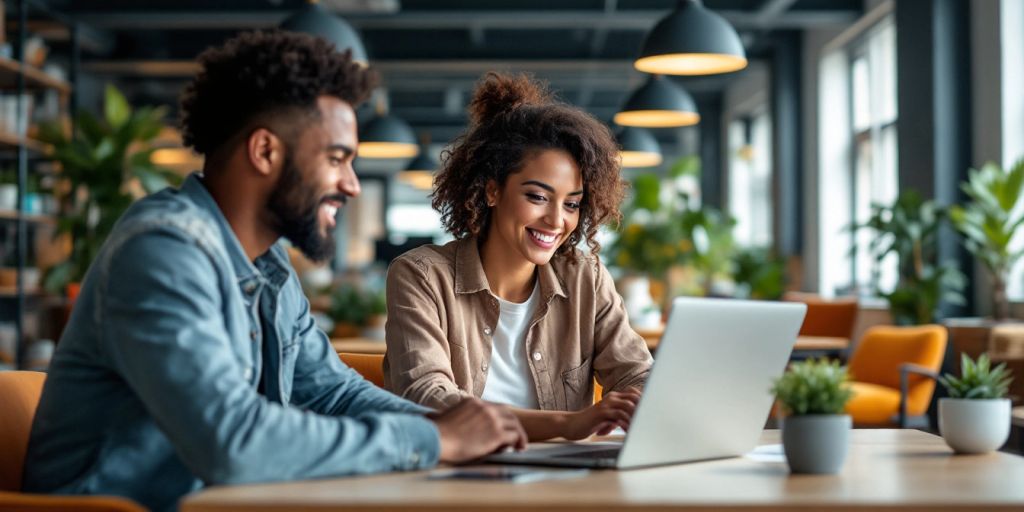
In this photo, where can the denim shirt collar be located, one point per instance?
(271, 265)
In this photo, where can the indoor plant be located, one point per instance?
(909, 228)
(815, 431)
(989, 223)
(759, 274)
(103, 163)
(975, 417)
(356, 311)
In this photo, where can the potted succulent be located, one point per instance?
(909, 229)
(990, 222)
(815, 430)
(975, 417)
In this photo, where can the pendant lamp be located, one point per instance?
(313, 19)
(691, 40)
(639, 148)
(659, 103)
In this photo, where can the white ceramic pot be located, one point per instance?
(974, 426)
(640, 306)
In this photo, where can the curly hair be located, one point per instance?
(258, 75)
(512, 118)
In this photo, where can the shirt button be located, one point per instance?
(247, 373)
(253, 335)
(487, 331)
(483, 367)
(536, 356)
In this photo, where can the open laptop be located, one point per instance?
(707, 396)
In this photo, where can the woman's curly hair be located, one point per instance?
(512, 118)
(260, 74)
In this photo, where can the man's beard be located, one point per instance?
(295, 206)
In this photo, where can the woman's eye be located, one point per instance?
(572, 206)
(535, 197)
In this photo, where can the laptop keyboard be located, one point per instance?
(596, 454)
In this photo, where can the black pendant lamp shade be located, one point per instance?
(639, 148)
(659, 103)
(313, 19)
(692, 40)
(420, 172)
(387, 136)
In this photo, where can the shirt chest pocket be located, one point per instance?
(577, 384)
(289, 357)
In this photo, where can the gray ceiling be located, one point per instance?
(431, 52)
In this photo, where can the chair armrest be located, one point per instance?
(905, 370)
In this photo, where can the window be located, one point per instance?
(1012, 64)
(858, 158)
(750, 162)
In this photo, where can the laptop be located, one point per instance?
(707, 396)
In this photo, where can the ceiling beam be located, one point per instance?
(638, 20)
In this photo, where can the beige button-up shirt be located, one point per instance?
(441, 315)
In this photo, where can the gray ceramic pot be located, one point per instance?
(816, 443)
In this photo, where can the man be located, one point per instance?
(191, 357)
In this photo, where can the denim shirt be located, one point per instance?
(153, 391)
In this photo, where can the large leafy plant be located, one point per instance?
(759, 274)
(104, 163)
(662, 228)
(909, 229)
(813, 387)
(991, 221)
(978, 380)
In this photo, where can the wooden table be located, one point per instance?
(358, 345)
(885, 470)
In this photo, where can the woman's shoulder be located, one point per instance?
(577, 265)
(427, 258)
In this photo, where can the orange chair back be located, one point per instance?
(827, 317)
(18, 502)
(370, 366)
(19, 397)
(884, 348)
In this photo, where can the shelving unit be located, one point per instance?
(18, 78)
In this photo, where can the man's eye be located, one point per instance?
(334, 160)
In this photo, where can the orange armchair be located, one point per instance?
(826, 317)
(19, 397)
(893, 372)
(370, 366)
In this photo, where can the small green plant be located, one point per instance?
(759, 274)
(352, 305)
(813, 387)
(978, 380)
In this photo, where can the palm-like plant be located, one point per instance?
(101, 163)
(990, 223)
(909, 228)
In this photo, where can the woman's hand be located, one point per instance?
(614, 410)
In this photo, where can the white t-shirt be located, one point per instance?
(509, 380)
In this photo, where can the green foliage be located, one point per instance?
(759, 274)
(353, 305)
(813, 387)
(662, 230)
(909, 229)
(978, 381)
(99, 163)
(990, 222)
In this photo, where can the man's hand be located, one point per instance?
(614, 410)
(474, 428)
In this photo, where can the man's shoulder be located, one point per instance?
(168, 211)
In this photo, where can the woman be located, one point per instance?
(512, 311)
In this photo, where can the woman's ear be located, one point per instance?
(492, 191)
